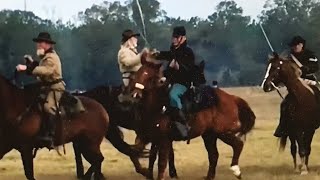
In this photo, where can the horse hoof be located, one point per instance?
(144, 172)
(208, 178)
(304, 173)
(174, 175)
(236, 171)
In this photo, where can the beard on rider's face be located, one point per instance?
(42, 47)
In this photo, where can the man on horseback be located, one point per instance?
(129, 59)
(49, 72)
(179, 73)
(309, 67)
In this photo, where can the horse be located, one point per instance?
(228, 120)
(20, 125)
(302, 111)
(126, 116)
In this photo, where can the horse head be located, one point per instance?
(148, 77)
(279, 71)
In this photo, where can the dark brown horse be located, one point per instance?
(85, 130)
(123, 115)
(302, 111)
(230, 118)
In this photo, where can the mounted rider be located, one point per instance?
(49, 72)
(179, 73)
(129, 59)
(310, 66)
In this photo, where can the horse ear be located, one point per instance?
(202, 65)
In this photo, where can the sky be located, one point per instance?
(68, 9)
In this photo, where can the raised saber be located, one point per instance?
(265, 35)
(143, 24)
(269, 67)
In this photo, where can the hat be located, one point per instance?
(179, 31)
(297, 40)
(44, 37)
(127, 34)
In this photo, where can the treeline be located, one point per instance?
(232, 44)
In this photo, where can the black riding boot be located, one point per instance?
(180, 122)
(48, 137)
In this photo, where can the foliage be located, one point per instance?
(232, 44)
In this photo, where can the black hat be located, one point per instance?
(297, 40)
(44, 37)
(179, 31)
(127, 34)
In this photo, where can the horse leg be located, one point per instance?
(293, 149)
(115, 138)
(210, 141)
(172, 167)
(27, 160)
(237, 145)
(78, 158)
(152, 158)
(94, 156)
(301, 139)
(309, 137)
(164, 150)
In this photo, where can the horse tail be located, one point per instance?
(283, 143)
(246, 116)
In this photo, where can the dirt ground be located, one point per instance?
(260, 158)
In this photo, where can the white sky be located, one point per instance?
(68, 9)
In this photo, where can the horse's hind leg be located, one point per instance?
(94, 156)
(237, 145)
(210, 141)
(172, 166)
(293, 149)
(27, 159)
(78, 158)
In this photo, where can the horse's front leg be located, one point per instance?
(172, 167)
(152, 158)
(164, 150)
(302, 143)
(27, 159)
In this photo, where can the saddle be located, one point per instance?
(70, 105)
(199, 98)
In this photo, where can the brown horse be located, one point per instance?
(230, 118)
(302, 111)
(85, 130)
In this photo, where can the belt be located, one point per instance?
(52, 82)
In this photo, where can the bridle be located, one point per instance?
(271, 81)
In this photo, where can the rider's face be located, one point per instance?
(43, 45)
(176, 40)
(297, 48)
(134, 41)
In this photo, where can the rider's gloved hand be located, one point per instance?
(28, 58)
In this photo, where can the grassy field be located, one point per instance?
(260, 158)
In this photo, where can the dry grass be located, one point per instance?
(260, 158)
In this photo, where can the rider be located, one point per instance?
(129, 59)
(48, 71)
(179, 73)
(309, 67)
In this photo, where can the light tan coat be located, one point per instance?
(129, 59)
(49, 70)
